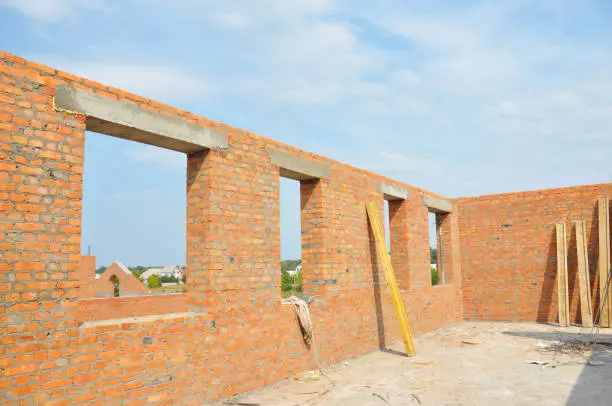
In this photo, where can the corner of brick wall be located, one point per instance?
(508, 251)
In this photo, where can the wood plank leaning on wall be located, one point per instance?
(584, 280)
(605, 296)
(562, 289)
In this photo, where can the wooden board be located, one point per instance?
(605, 297)
(398, 304)
(584, 280)
(562, 289)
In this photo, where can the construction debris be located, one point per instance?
(380, 397)
(416, 398)
(303, 314)
(536, 362)
(309, 376)
(572, 347)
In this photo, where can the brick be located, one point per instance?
(29, 266)
(21, 369)
(56, 383)
(8, 127)
(23, 390)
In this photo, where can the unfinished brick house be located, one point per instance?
(229, 332)
(118, 281)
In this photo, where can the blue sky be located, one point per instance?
(462, 98)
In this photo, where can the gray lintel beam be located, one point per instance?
(437, 205)
(297, 168)
(132, 122)
(393, 193)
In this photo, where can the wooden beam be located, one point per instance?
(562, 290)
(584, 280)
(605, 298)
(398, 304)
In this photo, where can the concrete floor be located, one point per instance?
(462, 364)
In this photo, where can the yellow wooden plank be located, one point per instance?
(562, 289)
(398, 304)
(605, 298)
(584, 279)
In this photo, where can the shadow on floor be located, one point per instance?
(557, 336)
(594, 384)
(393, 352)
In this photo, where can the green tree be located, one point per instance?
(291, 284)
(290, 264)
(286, 282)
(168, 279)
(434, 276)
(138, 270)
(433, 255)
(115, 281)
(154, 282)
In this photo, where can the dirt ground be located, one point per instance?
(463, 364)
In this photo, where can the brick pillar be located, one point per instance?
(399, 232)
(40, 190)
(233, 228)
(446, 246)
(418, 244)
(315, 255)
(41, 167)
(197, 222)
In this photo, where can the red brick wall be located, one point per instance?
(128, 284)
(228, 333)
(509, 254)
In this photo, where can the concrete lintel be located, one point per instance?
(141, 319)
(437, 205)
(393, 193)
(297, 168)
(130, 121)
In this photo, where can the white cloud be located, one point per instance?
(157, 156)
(579, 111)
(463, 49)
(51, 11)
(231, 20)
(403, 163)
(310, 62)
(156, 81)
(302, 54)
(153, 81)
(406, 77)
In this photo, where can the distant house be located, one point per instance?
(295, 271)
(166, 271)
